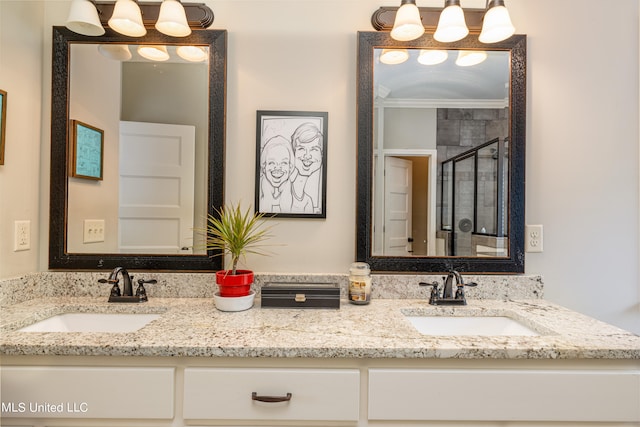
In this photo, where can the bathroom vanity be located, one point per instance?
(355, 366)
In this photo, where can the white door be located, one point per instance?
(397, 206)
(156, 188)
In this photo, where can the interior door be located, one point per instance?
(156, 188)
(397, 206)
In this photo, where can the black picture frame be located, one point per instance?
(294, 183)
(87, 151)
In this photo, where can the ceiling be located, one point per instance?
(411, 80)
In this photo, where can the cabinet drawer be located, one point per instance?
(83, 392)
(504, 395)
(316, 394)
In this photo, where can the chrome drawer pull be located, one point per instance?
(271, 399)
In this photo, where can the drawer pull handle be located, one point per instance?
(271, 399)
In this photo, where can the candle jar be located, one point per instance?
(359, 283)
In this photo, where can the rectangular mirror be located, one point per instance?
(163, 126)
(440, 184)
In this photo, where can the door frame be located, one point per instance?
(378, 194)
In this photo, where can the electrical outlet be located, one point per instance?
(93, 230)
(22, 236)
(534, 239)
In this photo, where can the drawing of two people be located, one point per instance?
(291, 172)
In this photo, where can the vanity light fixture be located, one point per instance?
(172, 20)
(191, 53)
(408, 24)
(154, 52)
(83, 19)
(497, 24)
(127, 19)
(432, 56)
(117, 52)
(451, 25)
(394, 56)
(132, 18)
(468, 58)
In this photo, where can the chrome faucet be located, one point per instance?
(127, 294)
(448, 297)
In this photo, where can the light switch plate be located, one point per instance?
(93, 230)
(534, 240)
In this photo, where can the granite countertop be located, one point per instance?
(193, 327)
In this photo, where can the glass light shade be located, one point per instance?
(127, 19)
(451, 25)
(467, 58)
(172, 19)
(394, 56)
(432, 57)
(497, 25)
(83, 19)
(154, 53)
(192, 53)
(407, 25)
(117, 52)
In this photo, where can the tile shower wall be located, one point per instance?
(459, 130)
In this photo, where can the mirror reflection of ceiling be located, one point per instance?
(488, 80)
(174, 54)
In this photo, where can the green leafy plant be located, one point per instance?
(236, 232)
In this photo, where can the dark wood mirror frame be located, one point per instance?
(59, 258)
(514, 263)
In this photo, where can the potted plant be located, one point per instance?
(235, 232)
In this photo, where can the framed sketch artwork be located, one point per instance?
(291, 163)
(87, 147)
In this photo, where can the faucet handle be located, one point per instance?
(141, 292)
(115, 289)
(434, 291)
(434, 284)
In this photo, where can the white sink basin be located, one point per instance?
(471, 325)
(91, 322)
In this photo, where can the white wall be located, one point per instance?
(98, 106)
(21, 65)
(582, 133)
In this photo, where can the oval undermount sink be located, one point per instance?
(92, 322)
(470, 325)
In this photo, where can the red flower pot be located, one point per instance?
(234, 285)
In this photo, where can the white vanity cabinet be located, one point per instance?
(272, 394)
(87, 392)
(504, 395)
(196, 391)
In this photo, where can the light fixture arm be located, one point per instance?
(494, 3)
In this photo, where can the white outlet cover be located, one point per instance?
(22, 236)
(533, 238)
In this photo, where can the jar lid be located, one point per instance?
(361, 268)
